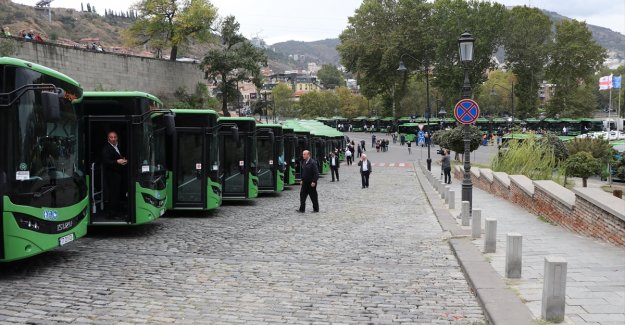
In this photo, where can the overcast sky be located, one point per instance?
(282, 20)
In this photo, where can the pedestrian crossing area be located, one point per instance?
(393, 164)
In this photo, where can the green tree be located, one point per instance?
(599, 148)
(526, 40)
(453, 139)
(574, 58)
(497, 103)
(171, 23)
(582, 164)
(236, 60)
(350, 105)
(330, 76)
(281, 95)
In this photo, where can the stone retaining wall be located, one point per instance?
(590, 212)
(111, 71)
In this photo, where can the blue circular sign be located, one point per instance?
(466, 111)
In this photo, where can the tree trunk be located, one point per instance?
(584, 181)
(174, 53)
(224, 105)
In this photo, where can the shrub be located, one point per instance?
(582, 164)
(453, 139)
(598, 148)
(560, 150)
(530, 157)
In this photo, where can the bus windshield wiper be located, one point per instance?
(46, 189)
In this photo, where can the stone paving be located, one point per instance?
(376, 255)
(595, 292)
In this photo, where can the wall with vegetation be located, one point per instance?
(110, 71)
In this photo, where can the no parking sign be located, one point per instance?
(466, 111)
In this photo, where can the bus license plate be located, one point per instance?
(66, 239)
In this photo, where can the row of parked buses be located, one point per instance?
(407, 125)
(52, 177)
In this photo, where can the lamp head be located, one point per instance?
(402, 67)
(465, 44)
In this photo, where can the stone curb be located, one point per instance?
(499, 303)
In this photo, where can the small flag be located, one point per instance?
(605, 82)
(616, 81)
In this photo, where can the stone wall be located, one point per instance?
(111, 71)
(590, 212)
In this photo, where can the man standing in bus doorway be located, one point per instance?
(365, 170)
(310, 175)
(114, 165)
(334, 166)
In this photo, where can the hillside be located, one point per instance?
(69, 26)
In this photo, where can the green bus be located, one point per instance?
(358, 124)
(142, 126)
(290, 154)
(193, 154)
(45, 202)
(271, 160)
(409, 131)
(238, 158)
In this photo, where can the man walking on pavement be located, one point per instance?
(365, 170)
(362, 145)
(310, 175)
(334, 166)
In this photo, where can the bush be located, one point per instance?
(530, 157)
(453, 139)
(560, 150)
(582, 164)
(598, 148)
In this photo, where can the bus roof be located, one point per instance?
(39, 68)
(194, 111)
(109, 94)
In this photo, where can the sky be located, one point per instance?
(283, 20)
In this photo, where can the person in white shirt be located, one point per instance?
(334, 166)
(365, 170)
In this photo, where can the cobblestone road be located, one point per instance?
(375, 255)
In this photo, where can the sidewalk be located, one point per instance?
(595, 292)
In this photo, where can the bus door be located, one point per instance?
(266, 164)
(234, 167)
(111, 192)
(190, 169)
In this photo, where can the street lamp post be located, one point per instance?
(511, 91)
(465, 44)
(426, 70)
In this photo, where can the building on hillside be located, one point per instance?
(313, 68)
(545, 92)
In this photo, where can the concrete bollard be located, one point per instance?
(452, 199)
(476, 223)
(490, 236)
(514, 255)
(446, 191)
(443, 191)
(466, 213)
(554, 289)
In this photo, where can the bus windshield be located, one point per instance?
(151, 158)
(43, 160)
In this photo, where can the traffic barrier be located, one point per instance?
(554, 289)
(514, 258)
(490, 236)
(476, 224)
(466, 213)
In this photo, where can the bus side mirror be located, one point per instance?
(51, 106)
(170, 124)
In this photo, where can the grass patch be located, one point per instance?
(545, 220)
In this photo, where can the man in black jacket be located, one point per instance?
(334, 166)
(114, 165)
(310, 175)
(365, 170)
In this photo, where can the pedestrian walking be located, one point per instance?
(402, 139)
(310, 175)
(409, 147)
(334, 166)
(362, 145)
(446, 165)
(372, 141)
(348, 156)
(365, 170)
